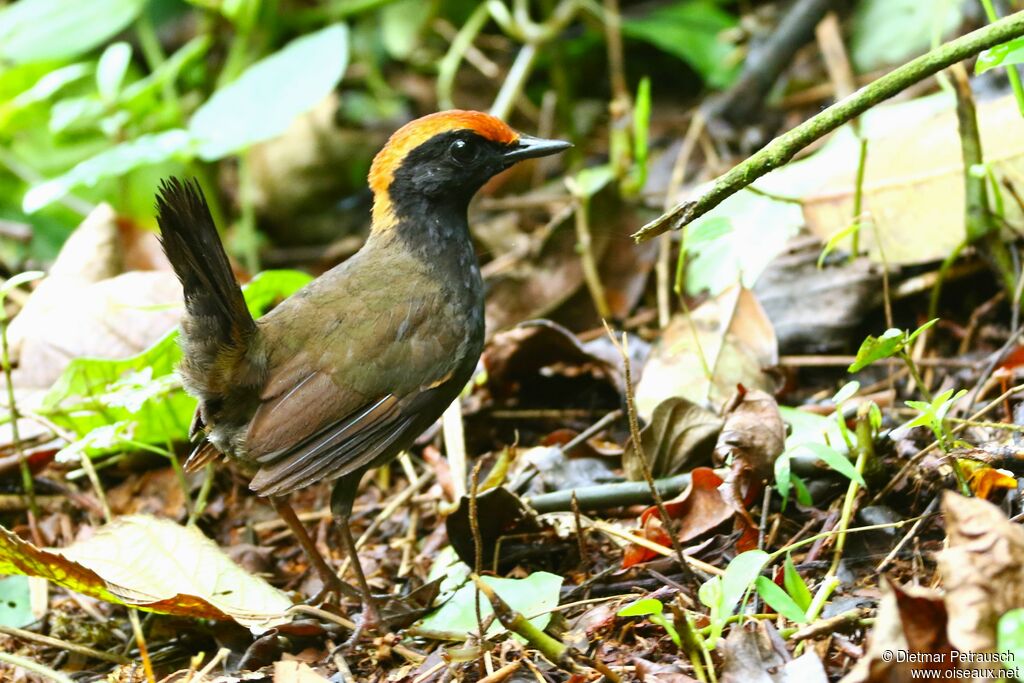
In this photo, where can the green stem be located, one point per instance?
(858, 200)
(785, 147)
(915, 375)
(26, 474)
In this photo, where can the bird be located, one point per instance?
(346, 373)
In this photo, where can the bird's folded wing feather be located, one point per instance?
(318, 422)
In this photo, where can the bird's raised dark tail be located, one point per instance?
(217, 323)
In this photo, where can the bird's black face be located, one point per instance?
(455, 164)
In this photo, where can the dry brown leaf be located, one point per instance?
(916, 179)
(292, 671)
(755, 653)
(982, 570)
(909, 619)
(679, 437)
(753, 435)
(736, 341)
(88, 307)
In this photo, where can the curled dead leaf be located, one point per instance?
(982, 570)
(679, 436)
(697, 510)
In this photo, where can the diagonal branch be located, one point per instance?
(783, 148)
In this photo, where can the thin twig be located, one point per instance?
(634, 432)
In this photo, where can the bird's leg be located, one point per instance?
(334, 587)
(370, 618)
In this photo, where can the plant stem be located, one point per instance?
(915, 375)
(858, 199)
(35, 667)
(783, 148)
(26, 474)
(865, 452)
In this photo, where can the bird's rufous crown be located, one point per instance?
(415, 133)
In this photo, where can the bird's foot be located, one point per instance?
(368, 622)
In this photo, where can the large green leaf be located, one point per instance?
(886, 32)
(262, 102)
(34, 30)
(116, 161)
(537, 594)
(15, 602)
(691, 30)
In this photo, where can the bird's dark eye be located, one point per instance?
(463, 152)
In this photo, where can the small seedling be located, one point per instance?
(655, 613)
(894, 343)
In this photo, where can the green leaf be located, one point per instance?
(127, 561)
(36, 30)
(795, 584)
(1000, 55)
(271, 286)
(110, 70)
(887, 32)
(117, 161)
(739, 576)
(590, 181)
(262, 102)
(874, 349)
(918, 331)
(779, 601)
(783, 472)
(533, 597)
(641, 608)
(1010, 635)
(836, 461)
(167, 70)
(15, 602)
(710, 592)
(803, 495)
(846, 392)
(402, 24)
(691, 30)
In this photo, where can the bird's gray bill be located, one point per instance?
(529, 147)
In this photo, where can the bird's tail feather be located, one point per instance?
(217, 319)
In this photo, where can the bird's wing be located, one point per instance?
(326, 414)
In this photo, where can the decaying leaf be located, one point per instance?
(753, 435)
(515, 357)
(697, 510)
(155, 565)
(500, 513)
(817, 309)
(913, 176)
(727, 341)
(679, 436)
(89, 306)
(909, 619)
(293, 671)
(982, 570)
(755, 653)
